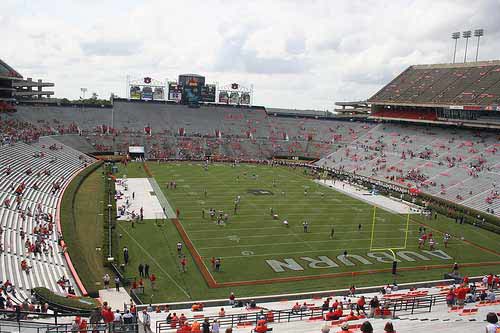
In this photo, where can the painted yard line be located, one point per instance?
(265, 212)
(483, 248)
(265, 228)
(317, 251)
(344, 274)
(209, 279)
(230, 202)
(273, 244)
(309, 233)
(290, 232)
(154, 260)
(244, 219)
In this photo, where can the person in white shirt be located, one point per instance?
(215, 326)
(492, 320)
(146, 321)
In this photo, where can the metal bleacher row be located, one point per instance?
(244, 133)
(446, 84)
(459, 166)
(54, 163)
(440, 161)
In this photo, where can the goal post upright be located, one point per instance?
(373, 227)
(390, 249)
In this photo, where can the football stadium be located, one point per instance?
(186, 207)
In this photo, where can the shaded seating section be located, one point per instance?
(32, 178)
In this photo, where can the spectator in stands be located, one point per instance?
(351, 316)
(329, 315)
(325, 328)
(128, 318)
(461, 293)
(374, 304)
(450, 297)
(366, 327)
(360, 305)
(75, 325)
(389, 328)
(215, 326)
(493, 325)
(231, 298)
(491, 296)
(146, 321)
(205, 326)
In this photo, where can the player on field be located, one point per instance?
(179, 248)
(432, 244)
(305, 224)
(183, 263)
(420, 242)
(285, 223)
(359, 227)
(446, 239)
(332, 232)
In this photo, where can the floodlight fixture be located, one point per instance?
(466, 34)
(455, 36)
(478, 33)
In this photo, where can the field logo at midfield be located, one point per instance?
(257, 191)
(320, 262)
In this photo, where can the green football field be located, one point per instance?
(261, 255)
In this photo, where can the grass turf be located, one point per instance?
(88, 220)
(251, 236)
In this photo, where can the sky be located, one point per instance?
(296, 54)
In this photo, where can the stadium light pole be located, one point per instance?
(466, 34)
(455, 36)
(478, 33)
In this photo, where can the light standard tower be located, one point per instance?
(466, 34)
(455, 36)
(478, 33)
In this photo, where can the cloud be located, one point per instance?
(111, 48)
(236, 56)
(297, 54)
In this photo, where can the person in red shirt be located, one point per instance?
(231, 298)
(212, 262)
(182, 319)
(152, 278)
(360, 305)
(461, 292)
(351, 316)
(83, 326)
(329, 315)
(183, 264)
(261, 326)
(338, 313)
(490, 280)
(108, 316)
(174, 321)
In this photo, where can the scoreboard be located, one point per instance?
(146, 89)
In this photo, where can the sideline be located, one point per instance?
(69, 263)
(154, 260)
